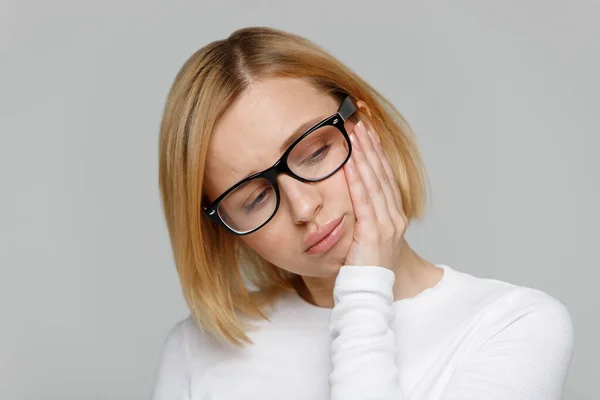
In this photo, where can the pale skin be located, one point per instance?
(248, 138)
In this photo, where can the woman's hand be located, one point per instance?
(380, 221)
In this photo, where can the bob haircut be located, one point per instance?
(214, 266)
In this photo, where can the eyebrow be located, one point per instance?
(299, 131)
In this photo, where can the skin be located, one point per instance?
(248, 138)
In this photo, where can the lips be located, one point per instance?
(321, 233)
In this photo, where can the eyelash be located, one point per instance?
(253, 205)
(322, 150)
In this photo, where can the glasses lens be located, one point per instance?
(319, 154)
(248, 206)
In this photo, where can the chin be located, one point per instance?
(329, 264)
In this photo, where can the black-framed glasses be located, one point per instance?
(316, 155)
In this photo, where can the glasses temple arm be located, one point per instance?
(347, 108)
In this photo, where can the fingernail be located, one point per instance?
(360, 125)
(354, 140)
(374, 136)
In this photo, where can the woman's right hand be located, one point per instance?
(380, 220)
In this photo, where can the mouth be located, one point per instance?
(325, 237)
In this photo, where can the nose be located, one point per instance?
(303, 199)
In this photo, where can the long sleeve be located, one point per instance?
(173, 377)
(363, 342)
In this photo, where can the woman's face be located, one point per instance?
(248, 139)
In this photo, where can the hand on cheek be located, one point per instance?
(377, 202)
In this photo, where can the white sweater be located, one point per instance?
(466, 338)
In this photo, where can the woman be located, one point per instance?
(287, 184)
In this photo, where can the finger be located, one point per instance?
(371, 183)
(391, 177)
(363, 209)
(367, 143)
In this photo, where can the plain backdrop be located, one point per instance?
(503, 97)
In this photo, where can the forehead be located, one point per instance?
(248, 137)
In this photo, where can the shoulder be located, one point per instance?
(187, 353)
(174, 373)
(506, 297)
(176, 342)
(502, 299)
(534, 312)
(509, 339)
(186, 337)
(503, 311)
(491, 306)
(199, 349)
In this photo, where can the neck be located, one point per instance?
(413, 275)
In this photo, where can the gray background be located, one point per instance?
(503, 97)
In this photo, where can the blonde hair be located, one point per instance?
(212, 264)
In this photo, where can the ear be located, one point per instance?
(362, 106)
(365, 110)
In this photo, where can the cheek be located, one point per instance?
(273, 242)
(336, 192)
